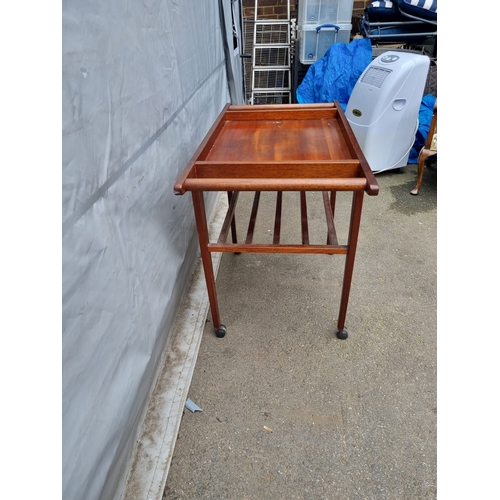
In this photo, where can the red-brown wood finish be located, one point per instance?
(279, 148)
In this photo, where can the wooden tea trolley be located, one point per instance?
(301, 147)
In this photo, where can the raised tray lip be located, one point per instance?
(188, 181)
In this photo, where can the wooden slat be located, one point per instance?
(275, 184)
(229, 218)
(332, 235)
(303, 218)
(263, 248)
(253, 218)
(277, 218)
(234, 236)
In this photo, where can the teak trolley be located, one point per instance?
(300, 147)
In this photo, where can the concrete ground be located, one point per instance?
(289, 410)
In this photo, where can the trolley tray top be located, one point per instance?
(279, 148)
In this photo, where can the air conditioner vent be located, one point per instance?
(375, 76)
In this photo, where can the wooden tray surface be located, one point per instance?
(290, 147)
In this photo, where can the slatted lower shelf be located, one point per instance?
(331, 247)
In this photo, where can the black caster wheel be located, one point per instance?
(342, 334)
(221, 331)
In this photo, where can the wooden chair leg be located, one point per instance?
(424, 154)
(426, 151)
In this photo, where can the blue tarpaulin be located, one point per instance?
(334, 75)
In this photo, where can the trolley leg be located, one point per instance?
(357, 204)
(201, 225)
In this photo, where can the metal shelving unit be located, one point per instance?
(271, 59)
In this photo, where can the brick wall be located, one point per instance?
(276, 9)
(268, 9)
(359, 7)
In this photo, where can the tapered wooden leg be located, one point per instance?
(201, 225)
(357, 204)
(424, 154)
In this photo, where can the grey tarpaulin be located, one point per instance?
(142, 84)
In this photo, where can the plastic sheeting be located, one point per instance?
(142, 84)
(334, 76)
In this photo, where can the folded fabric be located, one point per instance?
(421, 9)
(383, 12)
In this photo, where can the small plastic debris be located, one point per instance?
(268, 428)
(192, 406)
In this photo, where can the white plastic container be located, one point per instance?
(325, 11)
(316, 40)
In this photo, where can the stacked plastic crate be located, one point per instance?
(271, 73)
(322, 23)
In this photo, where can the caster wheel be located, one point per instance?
(342, 334)
(221, 331)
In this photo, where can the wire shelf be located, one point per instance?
(273, 97)
(264, 56)
(271, 79)
(272, 33)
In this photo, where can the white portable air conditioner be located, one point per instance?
(384, 105)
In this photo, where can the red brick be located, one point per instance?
(280, 11)
(266, 12)
(270, 9)
(249, 12)
(268, 3)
